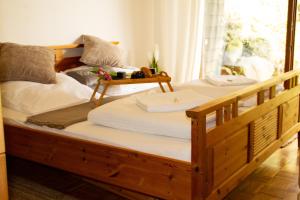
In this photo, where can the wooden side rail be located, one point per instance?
(224, 155)
(244, 93)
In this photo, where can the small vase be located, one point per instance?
(153, 70)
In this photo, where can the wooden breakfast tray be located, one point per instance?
(159, 78)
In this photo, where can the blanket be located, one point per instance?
(62, 118)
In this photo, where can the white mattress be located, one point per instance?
(171, 147)
(159, 145)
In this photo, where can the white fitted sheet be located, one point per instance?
(159, 145)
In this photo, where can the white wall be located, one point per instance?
(55, 22)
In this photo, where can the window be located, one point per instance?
(255, 37)
(245, 37)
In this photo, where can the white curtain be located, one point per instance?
(178, 32)
(213, 37)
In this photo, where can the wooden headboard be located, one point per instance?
(62, 62)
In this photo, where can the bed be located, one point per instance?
(220, 156)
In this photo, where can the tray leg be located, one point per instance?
(102, 94)
(161, 87)
(95, 90)
(170, 86)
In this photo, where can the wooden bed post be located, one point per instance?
(200, 180)
(290, 38)
(290, 44)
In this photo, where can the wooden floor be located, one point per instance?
(275, 179)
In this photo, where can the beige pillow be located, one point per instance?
(98, 52)
(26, 63)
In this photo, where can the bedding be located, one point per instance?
(229, 80)
(34, 98)
(172, 147)
(26, 63)
(99, 52)
(256, 67)
(124, 114)
(83, 75)
(64, 117)
(171, 101)
(158, 145)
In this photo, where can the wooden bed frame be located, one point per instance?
(221, 156)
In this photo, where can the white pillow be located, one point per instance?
(229, 80)
(256, 67)
(34, 98)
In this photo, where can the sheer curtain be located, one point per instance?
(190, 35)
(213, 37)
(179, 31)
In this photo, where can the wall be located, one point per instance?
(55, 22)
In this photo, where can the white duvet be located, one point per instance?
(157, 144)
(124, 114)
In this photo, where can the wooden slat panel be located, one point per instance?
(227, 113)
(221, 191)
(230, 155)
(264, 131)
(252, 114)
(219, 117)
(235, 108)
(251, 142)
(3, 178)
(272, 92)
(260, 97)
(290, 114)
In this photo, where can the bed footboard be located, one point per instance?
(240, 140)
(136, 171)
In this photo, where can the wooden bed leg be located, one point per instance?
(199, 162)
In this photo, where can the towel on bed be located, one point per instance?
(65, 117)
(229, 80)
(171, 101)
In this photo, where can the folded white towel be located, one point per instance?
(229, 80)
(171, 101)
